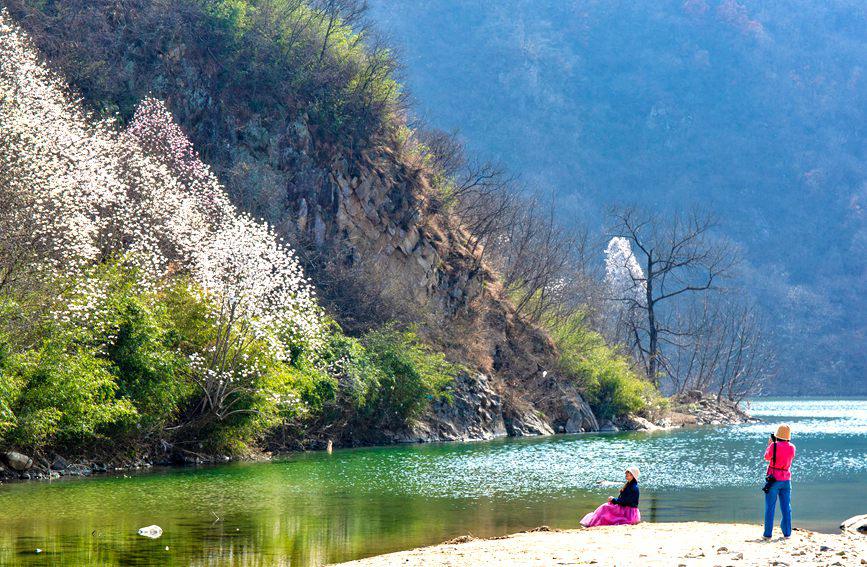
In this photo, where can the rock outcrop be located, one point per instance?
(474, 412)
(636, 423)
(709, 410)
(373, 216)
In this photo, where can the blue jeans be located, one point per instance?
(781, 489)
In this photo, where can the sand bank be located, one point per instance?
(672, 545)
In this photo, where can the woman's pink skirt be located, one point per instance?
(611, 515)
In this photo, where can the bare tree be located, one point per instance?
(543, 265)
(678, 257)
(727, 351)
(748, 358)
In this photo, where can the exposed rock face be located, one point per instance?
(636, 423)
(59, 463)
(475, 412)
(527, 424)
(372, 213)
(571, 413)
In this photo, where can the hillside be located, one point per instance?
(301, 126)
(755, 109)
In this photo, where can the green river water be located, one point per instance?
(318, 508)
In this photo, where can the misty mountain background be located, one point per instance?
(754, 110)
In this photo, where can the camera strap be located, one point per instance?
(774, 460)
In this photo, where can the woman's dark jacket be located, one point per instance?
(628, 496)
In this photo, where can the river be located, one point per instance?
(315, 508)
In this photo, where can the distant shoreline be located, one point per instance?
(668, 544)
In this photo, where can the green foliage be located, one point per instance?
(346, 88)
(358, 387)
(9, 390)
(231, 15)
(63, 393)
(611, 385)
(410, 375)
(127, 373)
(143, 356)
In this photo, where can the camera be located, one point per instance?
(769, 481)
(773, 437)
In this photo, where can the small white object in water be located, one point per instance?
(167, 548)
(152, 532)
(38, 550)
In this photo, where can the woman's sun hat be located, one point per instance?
(634, 472)
(784, 433)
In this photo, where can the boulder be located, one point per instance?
(691, 396)
(636, 423)
(580, 417)
(77, 470)
(526, 424)
(59, 463)
(855, 525)
(608, 426)
(17, 461)
(152, 532)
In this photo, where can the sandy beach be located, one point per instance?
(672, 544)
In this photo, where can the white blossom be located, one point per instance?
(624, 277)
(91, 190)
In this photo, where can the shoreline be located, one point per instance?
(90, 468)
(664, 544)
(686, 413)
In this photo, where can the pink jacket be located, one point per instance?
(785, 455)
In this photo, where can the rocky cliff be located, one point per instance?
(373, 213)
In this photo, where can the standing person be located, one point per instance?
(780, 453)
(620, 510)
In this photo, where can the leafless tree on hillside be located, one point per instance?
(679, 257)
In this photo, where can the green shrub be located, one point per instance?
(138, 365)
(65, 396)
(410, 376)
(346, 88)
(10, 388)
(348, 361)
(606, 376)
(143, 354)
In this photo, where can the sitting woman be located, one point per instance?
(620, 510)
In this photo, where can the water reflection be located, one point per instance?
(318, 508)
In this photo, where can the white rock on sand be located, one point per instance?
(672, 545)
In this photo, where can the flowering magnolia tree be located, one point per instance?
(626, 291)
(76, 190)
(623, 274)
